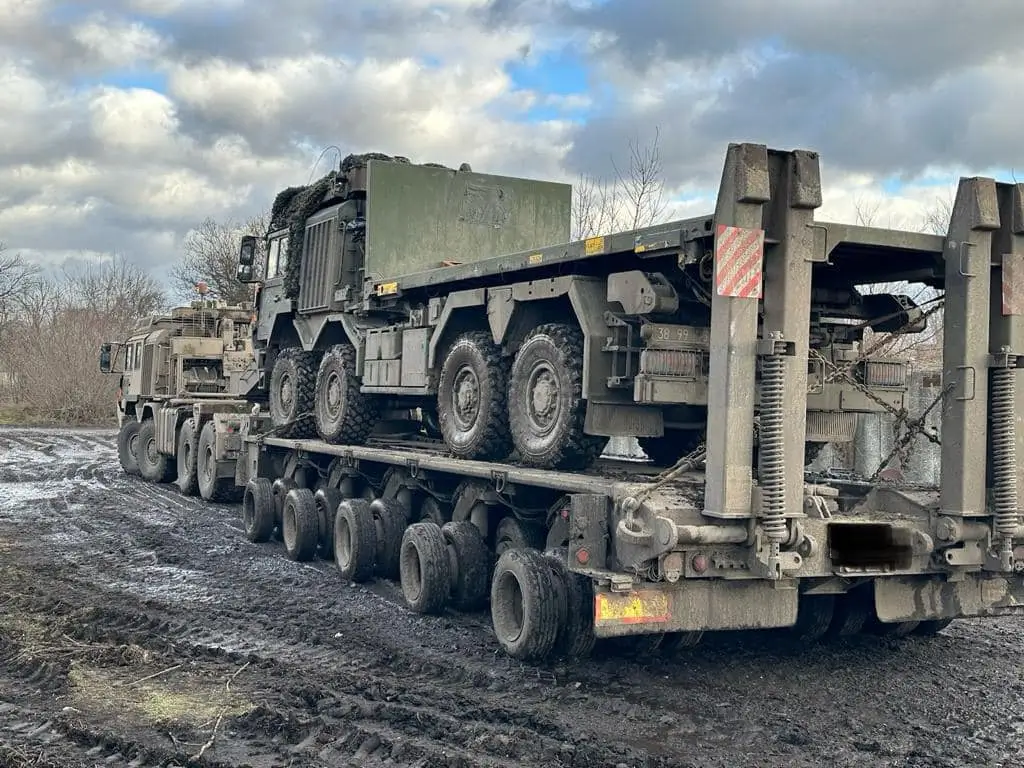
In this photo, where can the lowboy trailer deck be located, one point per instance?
(720, 539)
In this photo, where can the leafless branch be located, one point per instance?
(211, 254)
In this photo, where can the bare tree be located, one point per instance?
(633, 198)
(15, 276)
(211, 255)
(934, 220)
(55, 327)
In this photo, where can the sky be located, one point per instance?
(124, 123)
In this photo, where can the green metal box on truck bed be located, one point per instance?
(421, 217)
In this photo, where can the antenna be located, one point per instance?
(319, 158)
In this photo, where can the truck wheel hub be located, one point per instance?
(543, 397)
(467, 398)
(334, 394)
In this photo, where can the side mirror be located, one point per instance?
(244, 274)
(247, 253)
(106, 358)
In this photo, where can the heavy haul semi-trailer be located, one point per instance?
(723, 335)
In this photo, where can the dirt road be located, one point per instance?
(138, 627)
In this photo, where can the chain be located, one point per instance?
(687, 463)
(901, 447)
(280, 427)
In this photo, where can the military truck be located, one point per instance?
(184, 376)
(394, 285)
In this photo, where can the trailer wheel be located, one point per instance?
(425, 569)
(258, 516)
(128, 445)
(431, 511)
(851, 613)
(673, 642)
(188, 441)
(389, 519)
(291, 393)
(576, 636)
(300, 526)
(931, 627)
(513, 533)
(472, 407)
(525, 605)
(327, 501)
(545, 400)
(342, 412)
(212, 487)
(470, 578)
(814, 617)
(281, 486)
(153, 465)
(355, 540)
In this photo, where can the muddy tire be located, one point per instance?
(851, 613)
(300, 529)
(545, 400)
(516, 534)
(674, 642)
(211, 487)
(525, 604)
(188, 444)
(292, 382)
(576, 636)
(432, 511)
(470, 582)
(424, 568)
(327, 501)
(355, 540)
(280, 488)
(389, 519)
(931, 627)
(472, 405)
(154, 466)
(814, 617)
(342, 413)
(127, 445)
(258, 516)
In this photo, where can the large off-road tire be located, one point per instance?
(154, 466)
(576, 636)
(292, 381)
(527, 605)
(188, 444)
(327, 501)
(471, 399)
(343, 414)
(355, 540)
(258, 514)
(127, 445)
(851, 613)
(470, 582)
(424, 568)
(211, 487)
(545, 400)
(389, 519)
(300, 529)
(666, 450)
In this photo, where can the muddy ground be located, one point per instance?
(139, 627)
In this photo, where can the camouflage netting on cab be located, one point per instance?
(294, 205)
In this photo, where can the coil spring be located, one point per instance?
(772, 470)
(1004, 452)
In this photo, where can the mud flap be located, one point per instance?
(695, 605)
(924, 598)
